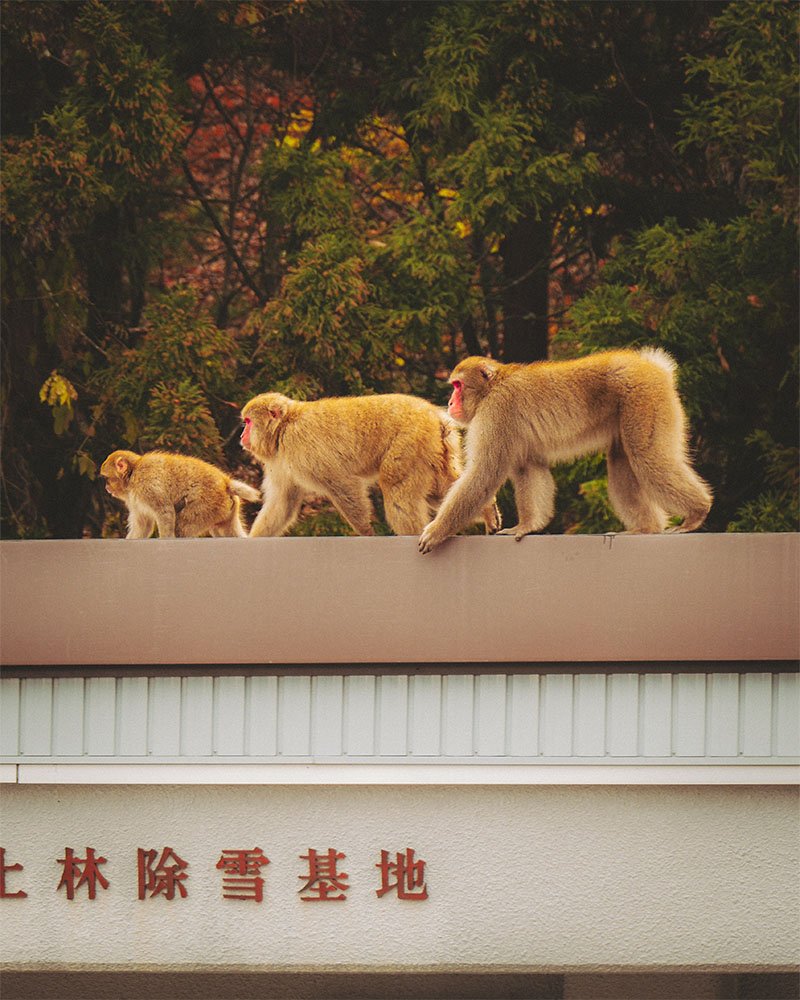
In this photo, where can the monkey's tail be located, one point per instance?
(658, 356)
(245, 491)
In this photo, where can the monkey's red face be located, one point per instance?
(455, 406)
(245, 438)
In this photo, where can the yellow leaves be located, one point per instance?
(57, 390)
(463, 229)
(58, 393)
(84, 465)
(300, 124)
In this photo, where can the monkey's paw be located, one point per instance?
(429, 538)
(519, 532)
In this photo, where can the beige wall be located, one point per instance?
(554, 880)
(376, 600)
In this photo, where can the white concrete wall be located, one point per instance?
(558, 879)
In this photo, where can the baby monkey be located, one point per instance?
(184, 497)
(339, 447)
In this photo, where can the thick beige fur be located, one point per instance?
(183, 497)
(340, 447)
(523, 418)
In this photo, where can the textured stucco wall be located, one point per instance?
(539, 878)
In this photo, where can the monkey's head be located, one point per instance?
(263, 418)
(471, 380)
(117, 470)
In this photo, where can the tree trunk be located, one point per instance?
(526, 251)
(104, 270)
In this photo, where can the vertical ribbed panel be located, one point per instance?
(425, 716)
(787, 714)
(261, 718)
(164, 717)
(100, 715)
(567, 715)
(36, 717)
(556, 715)
(197, 708)
(622, 715)
(457, 715)
(229, 715)
(132, 712)
(392, 715)
(522, 715)
(755, 715)
(490, 715)
(294, 716)
(9, 717)
(655, 715)
(71, 704)
(327, 708)
(359, 716)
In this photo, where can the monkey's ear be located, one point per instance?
(276, 412)
(121, 465)
(488, 372)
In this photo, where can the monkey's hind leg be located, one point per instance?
(405, 506)
(535, 494)
(692, 497)
(351, 499)
(232, 526)
(634, 506)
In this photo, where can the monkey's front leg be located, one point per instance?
(140, 525)
(281, 506)
(463, 504)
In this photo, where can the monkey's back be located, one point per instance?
(575, 405)
(199, 488)
(361, 430)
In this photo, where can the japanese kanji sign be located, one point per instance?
(162, 872)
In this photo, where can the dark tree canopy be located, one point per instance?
(201, 201)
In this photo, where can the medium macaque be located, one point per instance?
(183, 496)
(523, 418)
(339, 447)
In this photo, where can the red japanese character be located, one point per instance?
(409, 876)
(323, 879)
(86, 870)
(242, 869)
(4, 894)
(164, 877)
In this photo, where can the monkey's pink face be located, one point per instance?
(455, 406)
(245, 438)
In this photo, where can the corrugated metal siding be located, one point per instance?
(718, 717)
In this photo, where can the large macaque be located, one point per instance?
(523, 418)
(184, 497)
(340, 447)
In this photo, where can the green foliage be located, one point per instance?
(721, 296)
(749, 123)
(411, 167)
(168, 390)
(49, 182)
